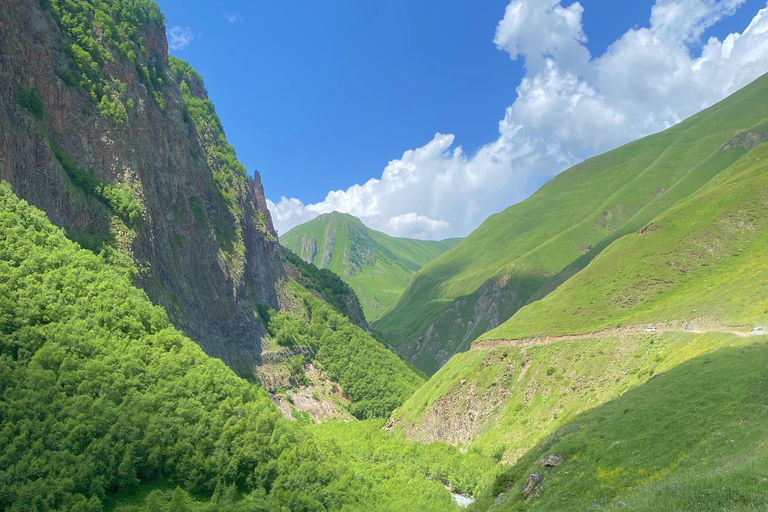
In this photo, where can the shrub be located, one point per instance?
(31, 100)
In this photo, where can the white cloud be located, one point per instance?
(234, 16)
(179, 38)
(569, 106)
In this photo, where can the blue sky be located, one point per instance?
(319, 96)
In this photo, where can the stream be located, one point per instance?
(461, 500)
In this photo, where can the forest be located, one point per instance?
(103, 400)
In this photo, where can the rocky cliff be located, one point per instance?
(129, 157)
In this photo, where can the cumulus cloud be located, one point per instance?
(570, 105)
(180, 37)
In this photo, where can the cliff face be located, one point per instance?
(100, 137)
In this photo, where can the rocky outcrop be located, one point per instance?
(465, 319)
(68, 155)
(458, 416)
(320, 400)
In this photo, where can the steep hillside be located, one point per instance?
(377, 266)
(327, 285)
(525, 252)
(691, 439)
(104, 403)
(697, 274)
(126, 155)
(702, 263)
(372, 381)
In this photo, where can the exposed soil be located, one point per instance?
(322, 399)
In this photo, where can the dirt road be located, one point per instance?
(711, 326)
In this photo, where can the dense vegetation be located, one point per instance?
(392, 475)
(545, 239)
(377, 266)
(97, 33)
(367, 442)
(31, 100)
(375, 380)
(102, 399)
(331, 288)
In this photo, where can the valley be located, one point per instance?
(598, 345)
(377, 266)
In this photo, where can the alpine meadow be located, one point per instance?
(570, 317)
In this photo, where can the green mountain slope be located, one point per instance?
(121, 147)
(104, 405)
(377, 266)
(692, 439)
(523, 253)
(698, 273)
(333, 290)
(703, 260)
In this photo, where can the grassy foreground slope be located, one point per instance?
(521, 254)
(377, 266)
(102, 401)
(694, 438)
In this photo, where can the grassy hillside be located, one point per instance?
(377, 266)
(694, 438)
(703, 259)
(638, 416)
(522, 253)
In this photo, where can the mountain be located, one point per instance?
(523, 253)
(104, 405)
(327, 286)
(126, 153)
(639, 375)
(377, 266)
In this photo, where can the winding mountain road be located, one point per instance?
(611, 331)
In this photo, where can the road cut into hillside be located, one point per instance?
(702, 326)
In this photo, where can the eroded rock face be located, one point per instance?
(463, 321)
(458, 416)
(321, 399)
(209, 284)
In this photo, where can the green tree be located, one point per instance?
(94, 504)
(126, 473)
(153, 503)
(178, 501)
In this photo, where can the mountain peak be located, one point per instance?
(377, 266)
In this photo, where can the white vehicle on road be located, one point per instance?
(650, 329)
(758, 331)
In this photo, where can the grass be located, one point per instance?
(573, 218)
(694, 438)
(377, 266)
(658, 421)
(370, 446)
(547, 385)
(705, 257)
